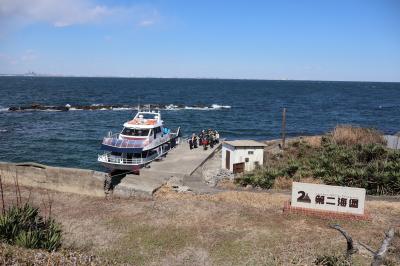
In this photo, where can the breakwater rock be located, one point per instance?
(38, 107)
(68, 107)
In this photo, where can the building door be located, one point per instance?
(228, 160)
(238, 168)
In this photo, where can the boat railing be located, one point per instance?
(108, 158)
(115, 141)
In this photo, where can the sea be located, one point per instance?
(238, 109)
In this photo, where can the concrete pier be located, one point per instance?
(179, 163)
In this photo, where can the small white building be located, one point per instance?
(242, 155)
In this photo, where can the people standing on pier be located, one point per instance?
(194, 140)
(207, 137)
(190, 143)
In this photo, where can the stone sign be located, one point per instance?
(328, 198)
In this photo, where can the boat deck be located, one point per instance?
(179, 162)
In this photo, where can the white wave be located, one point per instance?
(3, 130)
(207, 108)
(217, 106)
(197, 108)
(169, 107)
(46, 110)
(172, 107)
(122, 108)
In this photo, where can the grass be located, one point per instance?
(348, 157)
(350, 135)
(228, 228)
(143, 243)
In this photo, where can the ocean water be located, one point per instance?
(238, 109)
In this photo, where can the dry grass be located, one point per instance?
(228, 228)
(313, 141)
(226, 184)
(310, 180)
(282, 183)
(350, 135)
(14, 255)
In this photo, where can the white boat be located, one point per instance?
(141, 141)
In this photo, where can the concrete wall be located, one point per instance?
(238, 155)
(393, 142)
(80, 181)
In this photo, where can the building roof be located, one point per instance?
(245, 143)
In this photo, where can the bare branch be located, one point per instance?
(380, 254)
(16, 186)
(367, 247)
(50, 201)
(18, 189)
(29, 196)
(2, 196)
(351, 249)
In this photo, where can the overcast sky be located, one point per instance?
(297, 39)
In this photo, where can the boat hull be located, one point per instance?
(117, 163)
(123, 167)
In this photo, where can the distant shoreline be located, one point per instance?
(190, 78)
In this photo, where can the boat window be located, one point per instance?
(156, 131)
(148, 116)
(135, 132)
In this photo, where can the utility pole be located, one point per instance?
(283, 128)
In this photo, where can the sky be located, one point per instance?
(287, 39)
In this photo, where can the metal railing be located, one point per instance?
(115, 141)
(108, 158)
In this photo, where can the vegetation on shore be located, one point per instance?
(24, 226)
(226, 228)
(349, 156)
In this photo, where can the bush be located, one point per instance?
(371, 166)
(366, 163)
(24, 226)
(350, 135)
(263, 177)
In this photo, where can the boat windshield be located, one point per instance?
(135, 132)
(148, 116)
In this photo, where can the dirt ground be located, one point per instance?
(228, 228)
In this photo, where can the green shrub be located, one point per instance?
(263, 177)
(370, 166)
(24, 226)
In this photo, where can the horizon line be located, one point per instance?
(34, 75)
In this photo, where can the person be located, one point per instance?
(201, 137)
(216, 136)
(211, 140)
(191, 143)
(194, 140)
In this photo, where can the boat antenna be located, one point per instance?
(138, 107)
